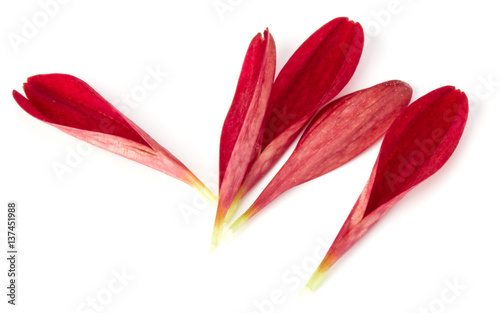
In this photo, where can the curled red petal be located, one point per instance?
(418, 143)
(71, 105)
(414, 151)
(66, 100)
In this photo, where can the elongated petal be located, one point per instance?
(338, 133)
(416, 145)
(242, 128)
(312, 77)
(72, 106)
(317, 71)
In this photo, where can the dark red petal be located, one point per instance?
(417, 144)
(242, 128)
(314, 74)
(66, 100)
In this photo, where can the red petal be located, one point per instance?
(69, 101)
(416, 145)
(314, 74)
(242, 128)
(261, 53)
(412, 152)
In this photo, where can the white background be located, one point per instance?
(110, 214)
